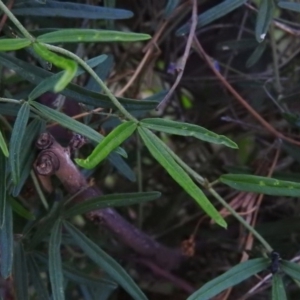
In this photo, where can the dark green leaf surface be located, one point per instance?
(121, 166)
(3, 145)
(256, 54)
(230, 278)
(28, 153)
(278, 290)
(35, 276)
(16, 141)
(186, 129)
(25, 171)
(55, 266)
(170, 7)
(20, 272)
(161, 153)
(83, 278)
(113, 140)
(109, 265)
(13, 44)
(113, 200)
(289, 5)
(6, 243)
(90, 35)
(68, 10)
(35, 75)
(261, 185)
(20, 210)
(46, 224)
(290, 268)
(2, 188)
(264, 18)
(213, 14)
(102, 70)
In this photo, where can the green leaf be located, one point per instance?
(170, 7)
(290, 268)
(213, 14)
(71, 124)
(113, 140)
(109, 265)
(46, 224)
(289, 5)
(20, 210)
(256, 54)
(113, 200)
(20, 272)
(2, 188)
(121, 166)
(264, 18)
(83, 278)
(102, 70)
(36, 279)
(3, 145)
(13, 44)
(90, 35)
(16, 141)
(162, 154)
(278, 290)
(261, 185)
(186, 129)
(68, 65)
(68, 10)
(26, 168)
(6, 243)
(48, 83)
(35, 75)
(55, 266)
(230, 278)
(28, 153)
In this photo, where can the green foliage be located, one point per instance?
(34, 240)
(230, 278)
(109, 143)
(278, 291)
(262, 185)
(90, 35)
(162, 154)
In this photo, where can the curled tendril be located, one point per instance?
(44, 141)
(47, 163)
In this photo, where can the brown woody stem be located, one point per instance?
(55, 160)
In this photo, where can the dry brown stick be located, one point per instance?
(9, 5)
(239, 98)
(55, 160)
(185, 56)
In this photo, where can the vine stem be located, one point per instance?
(76, 58)
(11, 100)
(16, 21)
(241, 220)
(95, 76)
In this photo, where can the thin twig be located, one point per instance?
(185, 56)
(239, 98)
(9, 5)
